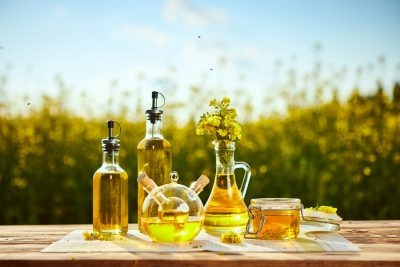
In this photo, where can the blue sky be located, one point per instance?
(91, 43)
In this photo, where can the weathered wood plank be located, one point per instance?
(21, 246)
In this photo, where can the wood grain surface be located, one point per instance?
(21, 245)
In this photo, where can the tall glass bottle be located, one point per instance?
(110, 190)
(154, 153)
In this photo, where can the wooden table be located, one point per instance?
(21, 246)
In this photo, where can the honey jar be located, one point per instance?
(274, 218)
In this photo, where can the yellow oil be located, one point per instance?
(154, 158)
(110, 202)
(225, 208)
(279, 224)
(173, 215)
(172, 231)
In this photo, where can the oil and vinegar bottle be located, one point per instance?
(172, 212)
(154, 152)
(110, 190)
(169, 208)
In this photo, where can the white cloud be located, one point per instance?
(193, 15)
(140, 33)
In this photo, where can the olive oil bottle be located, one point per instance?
(110, 190)
(154, 153)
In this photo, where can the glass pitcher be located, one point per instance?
(225, 208)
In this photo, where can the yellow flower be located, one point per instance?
(214, 120)
(235, 128)
(221, 122)
(222, 132)
(213, 102)
(327, 209)
(228, 123)
(230, 238)
(210, 129)
(232, 114)
(235, 131)
(226, 101)
(199, 131)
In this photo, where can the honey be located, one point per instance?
(274, 219)
(172, 230)
(280, 224)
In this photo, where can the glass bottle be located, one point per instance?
(154, 153)
(169, 208)
(225, 208)
(110, 190)
(172, 212)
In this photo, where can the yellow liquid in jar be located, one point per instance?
(110, 202)
(279, 224)
(154, 158)
(173, 215)
(225, 209)
(172, 231)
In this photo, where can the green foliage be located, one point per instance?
(342, 154)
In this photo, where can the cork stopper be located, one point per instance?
(200, 183)
(147, 183)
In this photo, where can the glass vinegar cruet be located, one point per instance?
(110, 190)
(225, 208)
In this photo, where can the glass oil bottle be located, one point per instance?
(169, 208)
(172, 212)
(225, 208)
(154, 152)
(110, 190)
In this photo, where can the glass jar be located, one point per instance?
(274, 218)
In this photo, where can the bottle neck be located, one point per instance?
(152, 189)
(111, 157)
(224, 155)
(158, 196)
(154, 130)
